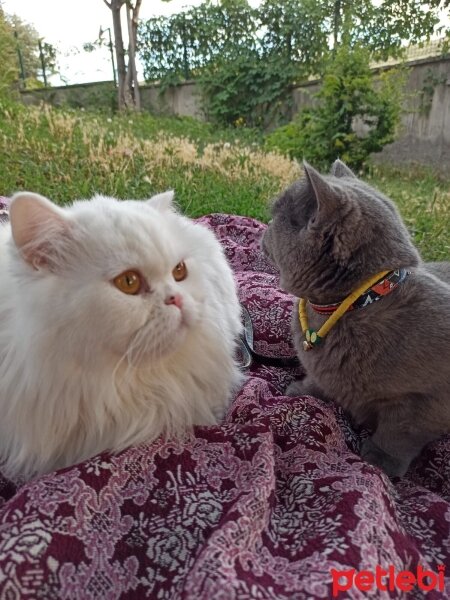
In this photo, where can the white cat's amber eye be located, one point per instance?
(128, 282)
(180, 272)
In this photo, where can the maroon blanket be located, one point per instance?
(271, 505)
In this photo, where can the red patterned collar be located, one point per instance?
(381, 288)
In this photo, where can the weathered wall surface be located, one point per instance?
(423, 137)
(101, 94)
(182, 100)
(424, 134)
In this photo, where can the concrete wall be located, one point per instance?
(101, 94)
(423, 137)
(424, 134)
(182, 100)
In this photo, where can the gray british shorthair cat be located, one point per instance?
(386, 362)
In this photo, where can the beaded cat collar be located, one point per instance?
(368, 292)
(381, 288)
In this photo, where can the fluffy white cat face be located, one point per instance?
(126, 278)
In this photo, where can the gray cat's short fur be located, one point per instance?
(388, 364)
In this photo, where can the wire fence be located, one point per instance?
(35, 64)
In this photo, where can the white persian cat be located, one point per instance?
(118, 323)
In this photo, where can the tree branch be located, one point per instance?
(108, 4)
(134, 8)
(135, 11)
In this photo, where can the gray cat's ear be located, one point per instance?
(36, 225)
(330, 199)
(164, 201)
(317, 181)
(340, 169)
(325, 195)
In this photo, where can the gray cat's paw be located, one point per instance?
(304, 387)
(296, 388)
(393, 467)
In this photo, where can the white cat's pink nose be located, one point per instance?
(174, 299)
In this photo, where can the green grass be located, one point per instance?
(70, 154)
(67, 154)
(423, 198)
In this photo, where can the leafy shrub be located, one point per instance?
(249, 91)
(178, 46)
(356, 114)
(244, 59)
(8, 61)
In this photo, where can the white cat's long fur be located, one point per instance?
(85, 367)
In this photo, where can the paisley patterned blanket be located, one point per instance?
(271, 505)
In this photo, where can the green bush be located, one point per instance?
(356, 114)
(244, 59)
(8, 58)
(248, 91)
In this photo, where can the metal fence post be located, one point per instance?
(19, 54)
(41, 56)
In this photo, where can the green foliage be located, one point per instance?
(27, 41)
(246, 60)
(249, 84)
(356, 114)
(301, 31)
(423, 198)
(383, 27)
(146, 126)
(180, 45)
(249, 91)
(297, 30)
(8, 61)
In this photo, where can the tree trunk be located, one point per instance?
(336, 23)
(116, 5)
(132, 79)
(128, 92)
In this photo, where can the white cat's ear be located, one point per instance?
(38, 226)
(164, 201)
(340, 169)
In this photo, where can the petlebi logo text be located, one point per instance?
(381, 579)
